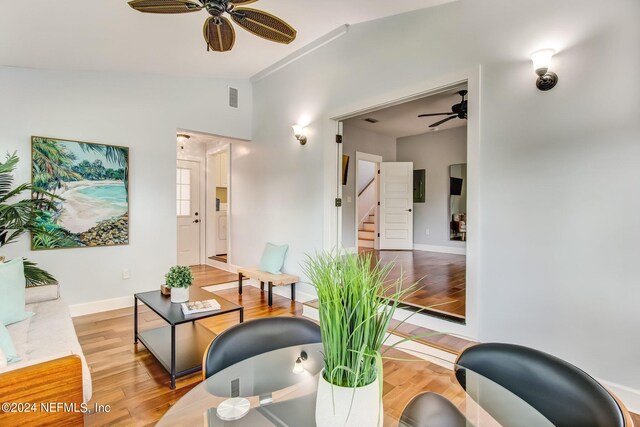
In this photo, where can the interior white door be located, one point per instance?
(396, 205)
(187, 210)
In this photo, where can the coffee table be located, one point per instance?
(179, 346)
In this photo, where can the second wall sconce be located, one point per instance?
(541, 64)
(301, 133)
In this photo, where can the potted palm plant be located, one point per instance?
(179, 279)
(355, 309)
(18, 215)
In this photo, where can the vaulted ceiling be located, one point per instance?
(110, 36)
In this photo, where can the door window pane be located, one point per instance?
(183, 192)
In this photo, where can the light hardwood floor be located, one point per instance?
(127, 377)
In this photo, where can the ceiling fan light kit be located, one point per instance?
(218, 32)
(458, 111)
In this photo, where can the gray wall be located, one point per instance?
(434, 152)
(357, 139)
(135, 110)
(558, 170)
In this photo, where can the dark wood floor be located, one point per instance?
(127, 377)
(441, 277)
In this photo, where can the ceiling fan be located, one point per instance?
(218, 32)
(458, 111)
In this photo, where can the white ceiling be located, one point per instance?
(402, 120)
(109, 35)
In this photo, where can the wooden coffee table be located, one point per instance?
(179, 346)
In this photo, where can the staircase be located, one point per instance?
(366, 231)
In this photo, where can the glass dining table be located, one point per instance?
(279, 397)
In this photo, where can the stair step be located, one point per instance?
(368, 226)
(365, 244)
(366, 235)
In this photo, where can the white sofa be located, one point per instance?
(47, 335)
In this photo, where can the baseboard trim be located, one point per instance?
(100, 306)
(439, 249)
(629, 396)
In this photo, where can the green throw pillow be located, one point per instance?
(12, 289)
(6, 344)
(273, 258)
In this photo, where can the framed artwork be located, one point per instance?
(419, 186)
(345, 168)
(90, 185)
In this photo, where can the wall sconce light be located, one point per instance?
(182, 139)
(301, 133)
(541, 64)
(298, 368)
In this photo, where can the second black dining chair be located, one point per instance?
(430, 409)
(255, 337)
(563, 393)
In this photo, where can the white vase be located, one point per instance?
(179, 295)
(348, 407)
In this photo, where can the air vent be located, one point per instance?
(233, 97)
(371, 120)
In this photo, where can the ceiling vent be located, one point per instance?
(233, 97)
(371, 120)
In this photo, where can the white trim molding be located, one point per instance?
(100, 306)
(304, 51)
(439, 249)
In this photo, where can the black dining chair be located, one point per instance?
(255, 337)
(563, 393)
(430, 409)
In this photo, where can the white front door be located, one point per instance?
(396, 205)
(187, 209)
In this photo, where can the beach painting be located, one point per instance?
(90, 185)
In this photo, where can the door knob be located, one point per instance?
(409, 210)
(196, 221)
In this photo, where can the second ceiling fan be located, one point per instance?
(218, 31)
(458, 111)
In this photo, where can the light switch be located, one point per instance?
(348, 199)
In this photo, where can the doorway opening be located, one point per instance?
(203, 199)
(414, 210)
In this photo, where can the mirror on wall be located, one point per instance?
(458, 202)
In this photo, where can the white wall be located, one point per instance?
(134, 110)
(358, 139)
(366, 172)
(558, 170)
(434, 152)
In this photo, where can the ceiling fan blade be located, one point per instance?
(219, 34)
(240, 2)
(165, 6)
(435, 114)
(442, 121)
(264, 25)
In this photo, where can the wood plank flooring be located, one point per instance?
(127, 377)
(441, 277)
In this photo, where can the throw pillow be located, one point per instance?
(273, 258)
(6, 345)
(12, 289)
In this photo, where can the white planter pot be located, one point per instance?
(179, 295)
(348, 407)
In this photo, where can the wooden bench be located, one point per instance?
(271, 279)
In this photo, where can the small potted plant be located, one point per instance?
(179, 278)
(356, 306)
